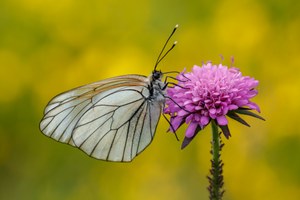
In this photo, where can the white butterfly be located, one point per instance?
(113, 119)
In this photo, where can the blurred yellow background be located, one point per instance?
(47, 47)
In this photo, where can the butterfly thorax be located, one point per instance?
(156, 87)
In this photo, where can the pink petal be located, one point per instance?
(196, 99)
(212, 111)
(222, 121)
(198, 108)
(241, 103)
(254, 106)
(176, 122)
(204, 121)
(189, 118)
(182, 113)
(190, 131)
(232, 107)
(186, 102)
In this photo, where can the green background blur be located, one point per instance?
(49, 46)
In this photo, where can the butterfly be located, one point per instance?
(113, 119)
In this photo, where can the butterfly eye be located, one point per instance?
(156, 75)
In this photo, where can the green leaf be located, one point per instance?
(225, 131)
(246, 111)
(236, 117)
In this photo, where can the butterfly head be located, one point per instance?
(156, 75)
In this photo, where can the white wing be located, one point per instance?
(110, 120)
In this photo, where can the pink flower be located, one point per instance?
(210, 92)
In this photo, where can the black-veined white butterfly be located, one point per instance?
(113, 119)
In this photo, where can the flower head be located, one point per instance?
(210, 92)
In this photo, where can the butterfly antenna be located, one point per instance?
(160, 57)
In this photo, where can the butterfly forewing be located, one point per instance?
(113, 119)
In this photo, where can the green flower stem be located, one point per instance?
(216, 179)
